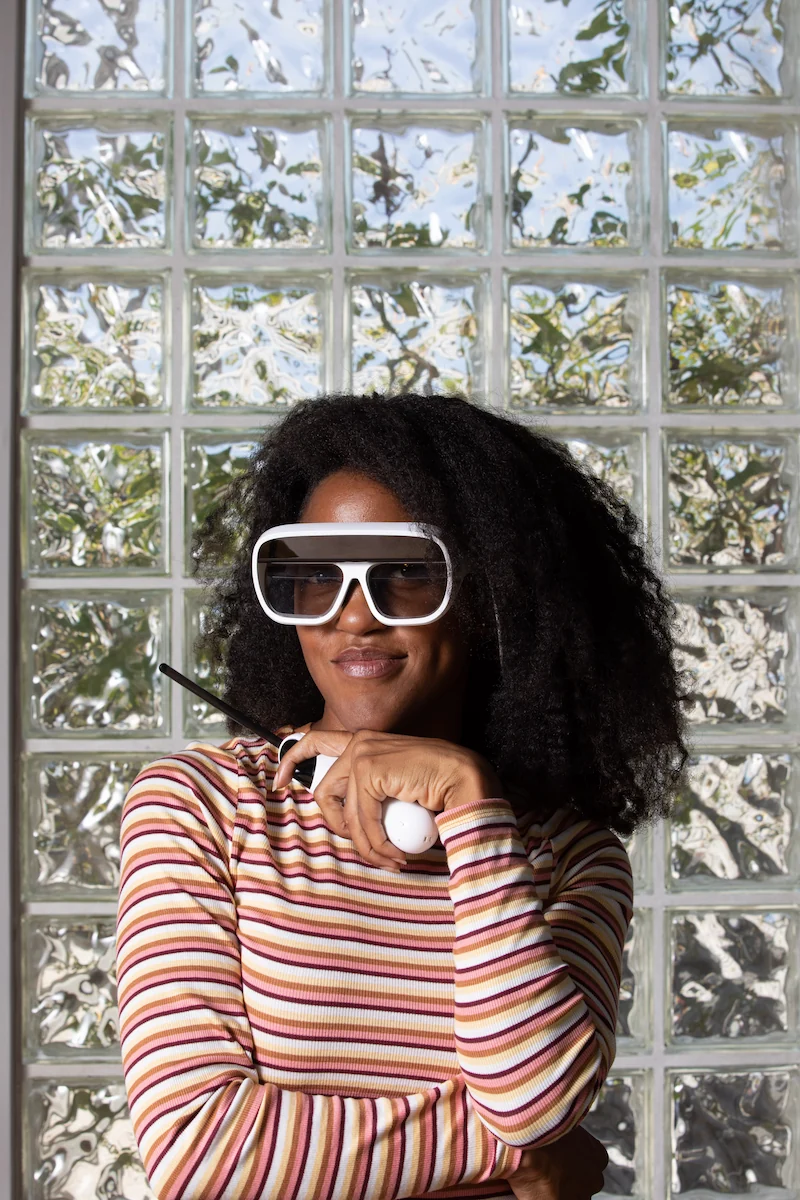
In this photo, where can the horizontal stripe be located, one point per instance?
(296, 1022)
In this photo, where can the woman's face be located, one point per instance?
(420, 692)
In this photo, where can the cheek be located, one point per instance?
(310, 644)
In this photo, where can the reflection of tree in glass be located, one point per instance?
(606, 227)
(725, 345)
(200, 717)
(724, 46)
(609, 463)
(728, 504)
(574, 346)
(212, 469)
(86, 1132)
(610, 28)
(97, 346)
(735, 201)
(257, 209)
(97, 505)
(731, 819)
(64, 30)
(74, 1000)
(612, 1121)
(95, 665)
(734, 1131)
(733, 653)
(407, 171)
(413, 370)
(113, 198)
(254, 347)
(711, 998)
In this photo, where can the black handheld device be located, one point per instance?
(303, 772)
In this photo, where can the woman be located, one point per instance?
(308, 1013)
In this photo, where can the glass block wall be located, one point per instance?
(582, 211)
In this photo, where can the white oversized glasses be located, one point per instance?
(302, 572)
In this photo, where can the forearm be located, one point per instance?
(249, 1141)
(534, 1025)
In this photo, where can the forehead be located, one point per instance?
(350, 496)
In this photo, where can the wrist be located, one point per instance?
(478, 781)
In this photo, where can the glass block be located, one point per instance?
(212, 460)
(730, 504)
(725, 49)
(70, 823)
(634, 1014)
(417, 185)
(261, 49)
(730, 344)
(734, 976)
(735, 822)
(91, 46)
(92, 504)
(572, 48)
(98, 185)
(79, 1141)
(417, 334)
(574, 185)
(70, 988)
(575, 345)
(95, 344)
(728, 188)
(259, 186)
(639, 845)
(417, 48)
(92, 663)
(200, 719)
(736, 651)
(620, 1119)
(257, 345)
(734, 1131)
(616, 458)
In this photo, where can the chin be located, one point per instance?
(367, 712)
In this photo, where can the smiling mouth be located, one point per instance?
(369, 668)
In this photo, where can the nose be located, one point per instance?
(355, 613)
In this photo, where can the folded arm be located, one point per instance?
(206, 1127)
(536, 984)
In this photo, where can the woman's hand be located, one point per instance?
(569, 1169)
(371, 766)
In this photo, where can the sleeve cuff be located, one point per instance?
(495, 810)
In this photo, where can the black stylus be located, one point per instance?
(303, 772)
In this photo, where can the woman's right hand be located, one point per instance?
(569, 1169)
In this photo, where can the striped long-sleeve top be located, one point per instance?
(298, 1024)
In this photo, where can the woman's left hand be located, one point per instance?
(373, 766)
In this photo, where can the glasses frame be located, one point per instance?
(357, 571)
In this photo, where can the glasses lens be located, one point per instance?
(408, 589)
(299, 576)
(299, 589)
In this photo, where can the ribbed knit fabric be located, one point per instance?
(296, 1024)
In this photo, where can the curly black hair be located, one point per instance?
(587, 708)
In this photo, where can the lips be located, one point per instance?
(368, 662)
(355, 654)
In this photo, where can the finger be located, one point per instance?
(353, 815)
(370, 812)
(317, 741)
(333, 812)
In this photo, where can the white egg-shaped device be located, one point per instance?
(409, 826)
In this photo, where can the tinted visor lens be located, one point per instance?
(299, 576)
